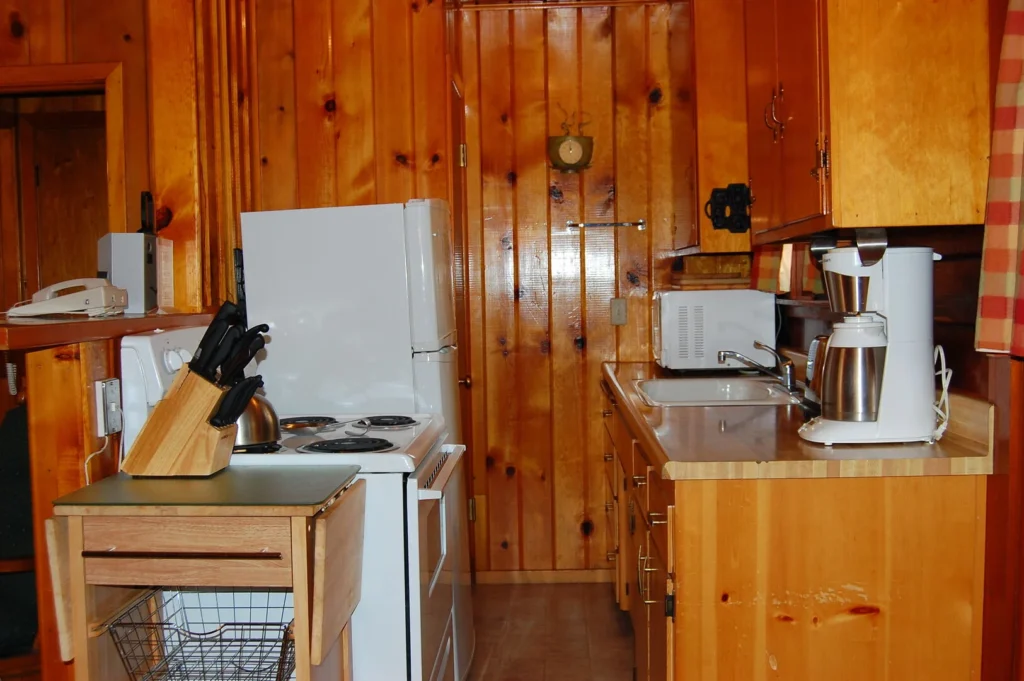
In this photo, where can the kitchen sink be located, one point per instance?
(697, 392)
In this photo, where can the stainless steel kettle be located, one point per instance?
(258, 424)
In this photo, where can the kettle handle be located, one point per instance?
(816, 361)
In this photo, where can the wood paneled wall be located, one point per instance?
(539, 313)
(170, 50)
(353, 102)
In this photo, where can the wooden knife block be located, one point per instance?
(177, 439)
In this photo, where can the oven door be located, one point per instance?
(430, 576)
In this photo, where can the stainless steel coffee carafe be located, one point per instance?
(850, 384)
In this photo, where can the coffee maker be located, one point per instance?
(876, 381)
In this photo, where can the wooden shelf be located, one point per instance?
(12, 565)
(41, 332)
(20, 667)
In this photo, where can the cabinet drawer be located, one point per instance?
(337, 567)
(187, 551)
(608, 459)
(660, 494)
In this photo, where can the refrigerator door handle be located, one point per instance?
(444, 350)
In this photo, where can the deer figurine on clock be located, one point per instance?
(570, 153)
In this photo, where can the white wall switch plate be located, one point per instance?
(618, 311)
(108, 407)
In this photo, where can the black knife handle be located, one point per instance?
(224, 350)
(226, 314)
(232, 369)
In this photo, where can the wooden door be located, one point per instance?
(63, 163)
(764, 143)
(800, 103)
(660, 629)
(638, 610)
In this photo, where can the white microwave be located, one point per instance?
(690, 327)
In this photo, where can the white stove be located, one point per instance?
(377, 443)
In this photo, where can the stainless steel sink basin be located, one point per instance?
(697, 392)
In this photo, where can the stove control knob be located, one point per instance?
(173, 360)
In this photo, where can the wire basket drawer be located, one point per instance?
(206, 634)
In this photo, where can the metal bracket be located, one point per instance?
(871, 245)
(572, 225)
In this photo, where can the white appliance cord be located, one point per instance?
(88, 477)
(942, 406)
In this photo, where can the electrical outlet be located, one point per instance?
(108, 406)
(618, 311)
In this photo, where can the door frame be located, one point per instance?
(71, 78)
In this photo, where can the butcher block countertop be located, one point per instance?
(754, 442)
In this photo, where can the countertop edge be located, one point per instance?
(967, 436)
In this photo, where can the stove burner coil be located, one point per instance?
(388, 421)
(349, 445)
(307, 422)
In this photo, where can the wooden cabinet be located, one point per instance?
(709, 119)
(809, 577)
(866, 119)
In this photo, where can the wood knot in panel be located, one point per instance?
(510, 471)
(580, 342)
(556, 194)
(401, 159)
(545, 346)
(587, 528)
(17, 26)
(330, 106)
(512, 177)
(164, 216)
(654, 96)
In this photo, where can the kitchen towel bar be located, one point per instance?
(573, 225)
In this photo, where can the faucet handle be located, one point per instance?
(779, 359)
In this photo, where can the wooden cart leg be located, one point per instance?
(301, 595)
(346, 650)
(96, 658)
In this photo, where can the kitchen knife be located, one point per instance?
(226, 348)
(226, 315)
(247, 347)
(234, 402)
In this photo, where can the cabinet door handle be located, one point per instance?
(609, 457)
(611, 556)
(663, 516)
(606, 413)
(639, 480)
(609, 507)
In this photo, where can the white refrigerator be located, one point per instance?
(361, 308)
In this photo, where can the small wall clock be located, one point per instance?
(570, 153)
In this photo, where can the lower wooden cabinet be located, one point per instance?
(799, 578)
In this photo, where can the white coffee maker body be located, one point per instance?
(899, 295)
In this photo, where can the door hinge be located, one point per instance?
(670, 606)
(826, 159)
(463, 155)
(472, 510)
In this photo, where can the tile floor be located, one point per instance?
(549, 632)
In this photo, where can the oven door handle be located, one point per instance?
(434, 488)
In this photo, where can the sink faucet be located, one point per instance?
(783, 369)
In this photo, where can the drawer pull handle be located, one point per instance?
(184, 555)
(662, 516)
(609, 507)
(609, 457)
(611, 556)
(639, 480)
(606, 413)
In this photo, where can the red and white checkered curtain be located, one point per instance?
(1000, 326)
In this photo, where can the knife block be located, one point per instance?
(177, 438)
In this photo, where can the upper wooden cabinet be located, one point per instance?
(866, 114)
(709, 120)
